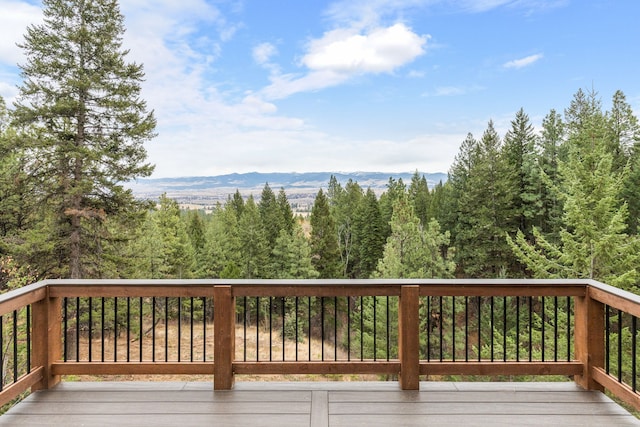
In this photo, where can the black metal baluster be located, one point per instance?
(348, 328)
(77, 329)
(115, 329)
(141, 331)
(153, 329)
(607, 324)
(569, 329)
(128, 329)
(375, 329)
(544, 327)
(634, 358)
(479, 328)
(244, 328)
(517, 328)
(309, 327)
(191, 312)
(504, 329)
(90, 329)
(65, 334)
(440, 324)
(180, 328)
(270, 328)
(466, 328)
(15, 345)
(555, 329)
(453, 328)
(2, 352)
(102, 329)
(322, 326)
(428, 328)
(530, 329)
(257, 329)
(361, 328)
(619, 345)
(204, 329)
(28, 338)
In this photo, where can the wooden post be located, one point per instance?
(224, 307)
(408, 346)
(589, 339)
(47, 338)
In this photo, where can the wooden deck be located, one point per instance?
(317, 404)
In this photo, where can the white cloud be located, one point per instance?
(342, 54)
(523, 62)
(378, 51)
(263, 53)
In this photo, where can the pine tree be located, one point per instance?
(420, 197)
(222, 244)
(270, 216)
(414, 251)
(552, 151)
(81, 100)
(522, 174)
(254, 247)
(593, 243)
(291, 257)
(177, 252)
(369, 235)
(325, 253)
(288, 220)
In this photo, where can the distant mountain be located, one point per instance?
(208, 190)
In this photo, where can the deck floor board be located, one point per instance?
(317, 404)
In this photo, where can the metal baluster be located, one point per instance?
(517, 328)
(115, 329)
(15, 345)
(90, 329)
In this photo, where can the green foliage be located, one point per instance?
(325, 252)
(593, 243)
(83, 123)
(414, 251)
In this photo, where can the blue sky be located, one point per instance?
(353, 85)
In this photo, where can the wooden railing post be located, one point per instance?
(224, 307)
(589, 339)
(47, 338)
(408, 346)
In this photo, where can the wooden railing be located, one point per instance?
(404, 329)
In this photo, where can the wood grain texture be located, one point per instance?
(317, 404)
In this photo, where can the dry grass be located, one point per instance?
(202, 345)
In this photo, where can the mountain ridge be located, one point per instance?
(208, 190)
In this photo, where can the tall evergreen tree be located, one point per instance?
(369, 235)
(523, 180)
(551, 152)
(420, 197)
(484, 251)
(593, 243)
(325, 253)
(270, 216)
(254, 247)
(288, 220)
(414, 251)
(178, 258)
(81, 99)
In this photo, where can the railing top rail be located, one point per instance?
(319, 282)
(625, 295)
(17, 293)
